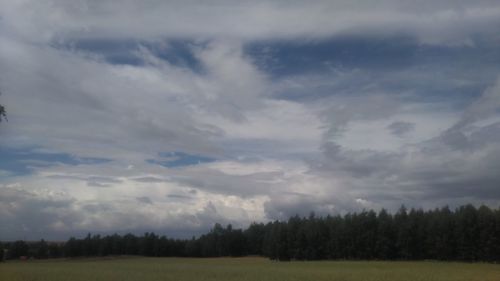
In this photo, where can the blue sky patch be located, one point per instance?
(399, 66)
(175, 52)
(290, 57)
(22, 161)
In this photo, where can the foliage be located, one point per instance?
(3, 113)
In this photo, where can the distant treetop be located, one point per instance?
(3, 114)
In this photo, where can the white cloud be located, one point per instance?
(159, 107)
(450, 22)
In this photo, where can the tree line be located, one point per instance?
(465, 234)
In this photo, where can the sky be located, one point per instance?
(170, 116)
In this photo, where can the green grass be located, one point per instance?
(179, 269)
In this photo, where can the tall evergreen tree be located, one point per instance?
(467, 233)
(385, 247)
(42, 250)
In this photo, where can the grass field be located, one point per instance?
(222, 269)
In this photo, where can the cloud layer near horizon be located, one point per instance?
(169, 117)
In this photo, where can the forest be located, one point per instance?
(466, 233)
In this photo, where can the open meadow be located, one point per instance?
(223, 269)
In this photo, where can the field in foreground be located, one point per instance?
(223, 269)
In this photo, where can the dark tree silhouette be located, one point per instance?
(465, 234)
(3, 113)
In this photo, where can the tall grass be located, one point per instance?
(225, 269)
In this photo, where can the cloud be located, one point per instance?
(449, 22)
(134, 100)
(170, 117)
(144, 200)
(488, 105)
(455, 165)
(149, 179)
(401, 128)
(179, 159)
(179, 196)
(32, 212)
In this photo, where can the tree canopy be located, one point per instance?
(3, 114)
(465, 234)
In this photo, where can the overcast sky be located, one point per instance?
(170, 116)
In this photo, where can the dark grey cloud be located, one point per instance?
(149, 179)
(458, 163)
(144, 199)
(217, 182)
(284, 207)
(359, 163)
(401, 128)
(179, 196)
(453, 167)
(455, 139)
(97, 208)
(95, 181)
